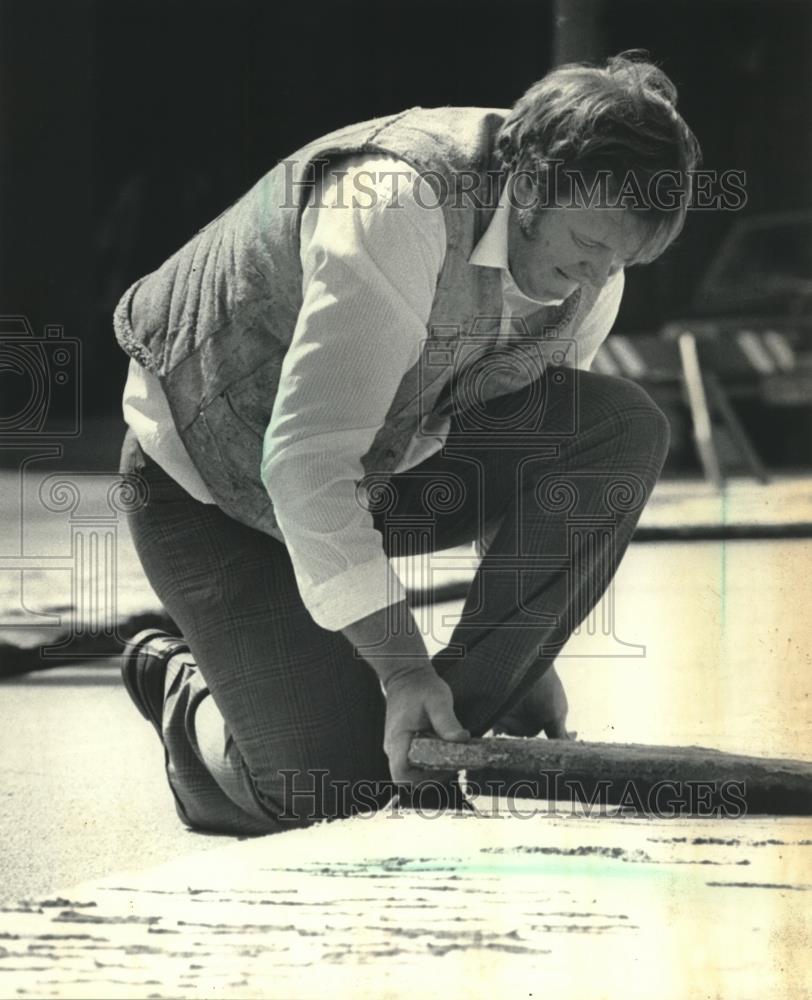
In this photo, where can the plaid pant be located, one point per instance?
(274, 722)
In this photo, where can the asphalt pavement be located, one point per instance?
(82, 786)
(709, 645)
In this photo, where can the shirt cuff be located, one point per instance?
(354, 594)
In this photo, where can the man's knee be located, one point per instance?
(609, 401)
(644, 417)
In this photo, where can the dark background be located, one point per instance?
(128, 124)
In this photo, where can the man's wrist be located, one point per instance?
(393, 670)
(390, 642)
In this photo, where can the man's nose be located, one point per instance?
(596, 269)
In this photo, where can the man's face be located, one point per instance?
(569, 247)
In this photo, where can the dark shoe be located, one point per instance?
(143, 670)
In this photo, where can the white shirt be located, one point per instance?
(370, 265)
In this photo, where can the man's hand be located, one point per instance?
(543, 708)
(417, 700)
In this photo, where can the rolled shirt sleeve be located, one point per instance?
(370, 267)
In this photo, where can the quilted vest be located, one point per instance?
(215, 320)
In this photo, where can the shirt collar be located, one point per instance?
(492, 251)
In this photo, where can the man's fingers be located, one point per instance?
(446, 724)
(397, 750)
(557, 730)
(415, 708)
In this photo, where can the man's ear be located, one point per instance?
(531, 186)
(524, 189)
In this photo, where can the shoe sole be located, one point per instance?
(133, 669)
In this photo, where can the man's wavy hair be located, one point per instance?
(619, 119)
